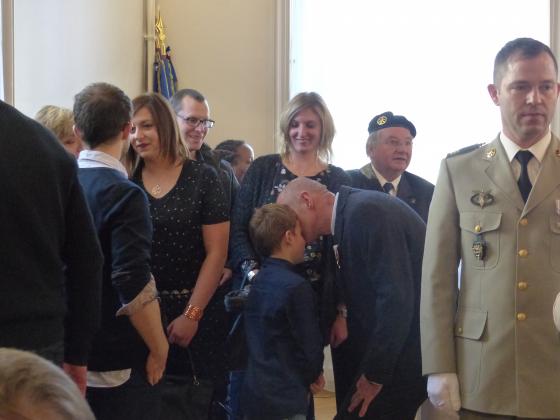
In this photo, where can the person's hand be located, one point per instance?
(226, 276)
(556, 312)
(78, 375)
(155, 364)
(339, 331)
(365, 393)
(182, 330)
(318, 385)
(443, 391)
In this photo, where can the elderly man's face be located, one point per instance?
(391, 152)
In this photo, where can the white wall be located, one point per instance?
(63, 45)
(226, 50)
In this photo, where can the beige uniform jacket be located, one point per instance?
(497, 330)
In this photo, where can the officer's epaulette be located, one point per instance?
(465, 150)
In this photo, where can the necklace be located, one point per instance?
(156, 190)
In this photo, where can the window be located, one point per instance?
(428, 60)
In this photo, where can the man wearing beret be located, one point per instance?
(389, 147)
(489, 344)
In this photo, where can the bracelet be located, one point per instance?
(193, 312)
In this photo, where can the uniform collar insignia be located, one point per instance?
(482, 198)
(491, 153)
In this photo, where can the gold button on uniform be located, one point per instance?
(459, 330)
(477, 228)
(521, 316)
(522, 285)
(524, 222)
(523, 253)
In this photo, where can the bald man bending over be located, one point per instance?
(379, 246)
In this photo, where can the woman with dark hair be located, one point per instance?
(191, 227)
(307, 132)
(239, 154)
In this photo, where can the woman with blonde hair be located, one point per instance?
(61, 122)
(307, 132)
(190, 221)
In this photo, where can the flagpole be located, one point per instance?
(150, 42)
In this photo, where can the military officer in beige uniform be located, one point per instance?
(489, 344)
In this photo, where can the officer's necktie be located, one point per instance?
(388, 187)
(524, 183)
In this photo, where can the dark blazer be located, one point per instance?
(225, 172)
(413, 190)
(380, 243)
(121, 216)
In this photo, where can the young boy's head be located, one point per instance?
(275, 232)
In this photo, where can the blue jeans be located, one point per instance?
(235, 387)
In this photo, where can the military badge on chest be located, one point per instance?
(479, 247)
(480, 198)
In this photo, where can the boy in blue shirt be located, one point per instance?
(281, 322)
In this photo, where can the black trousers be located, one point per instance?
(398, 401)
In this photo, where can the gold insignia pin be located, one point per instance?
(482, 198)
(381, 120)
(491, 153)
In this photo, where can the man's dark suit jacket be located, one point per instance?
(380, 243)
(413, 190)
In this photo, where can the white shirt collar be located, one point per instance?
(382, 180)
(97, 159)
(538, 149)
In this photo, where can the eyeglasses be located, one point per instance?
(394, 143)
(195, 122)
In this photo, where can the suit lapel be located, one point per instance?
(499, 171)
(405, 192)
(367, 171)
(549, 176)
(339, 225)
(339, 221)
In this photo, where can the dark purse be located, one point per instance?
(186, 397)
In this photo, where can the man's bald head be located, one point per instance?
(291, 194)
(313, 204)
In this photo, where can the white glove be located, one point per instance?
(443, 391)
(556, 312)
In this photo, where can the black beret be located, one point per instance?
(387, 119)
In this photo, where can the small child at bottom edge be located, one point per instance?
(281, 323)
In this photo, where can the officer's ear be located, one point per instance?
(306, 199)
(493, 91)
